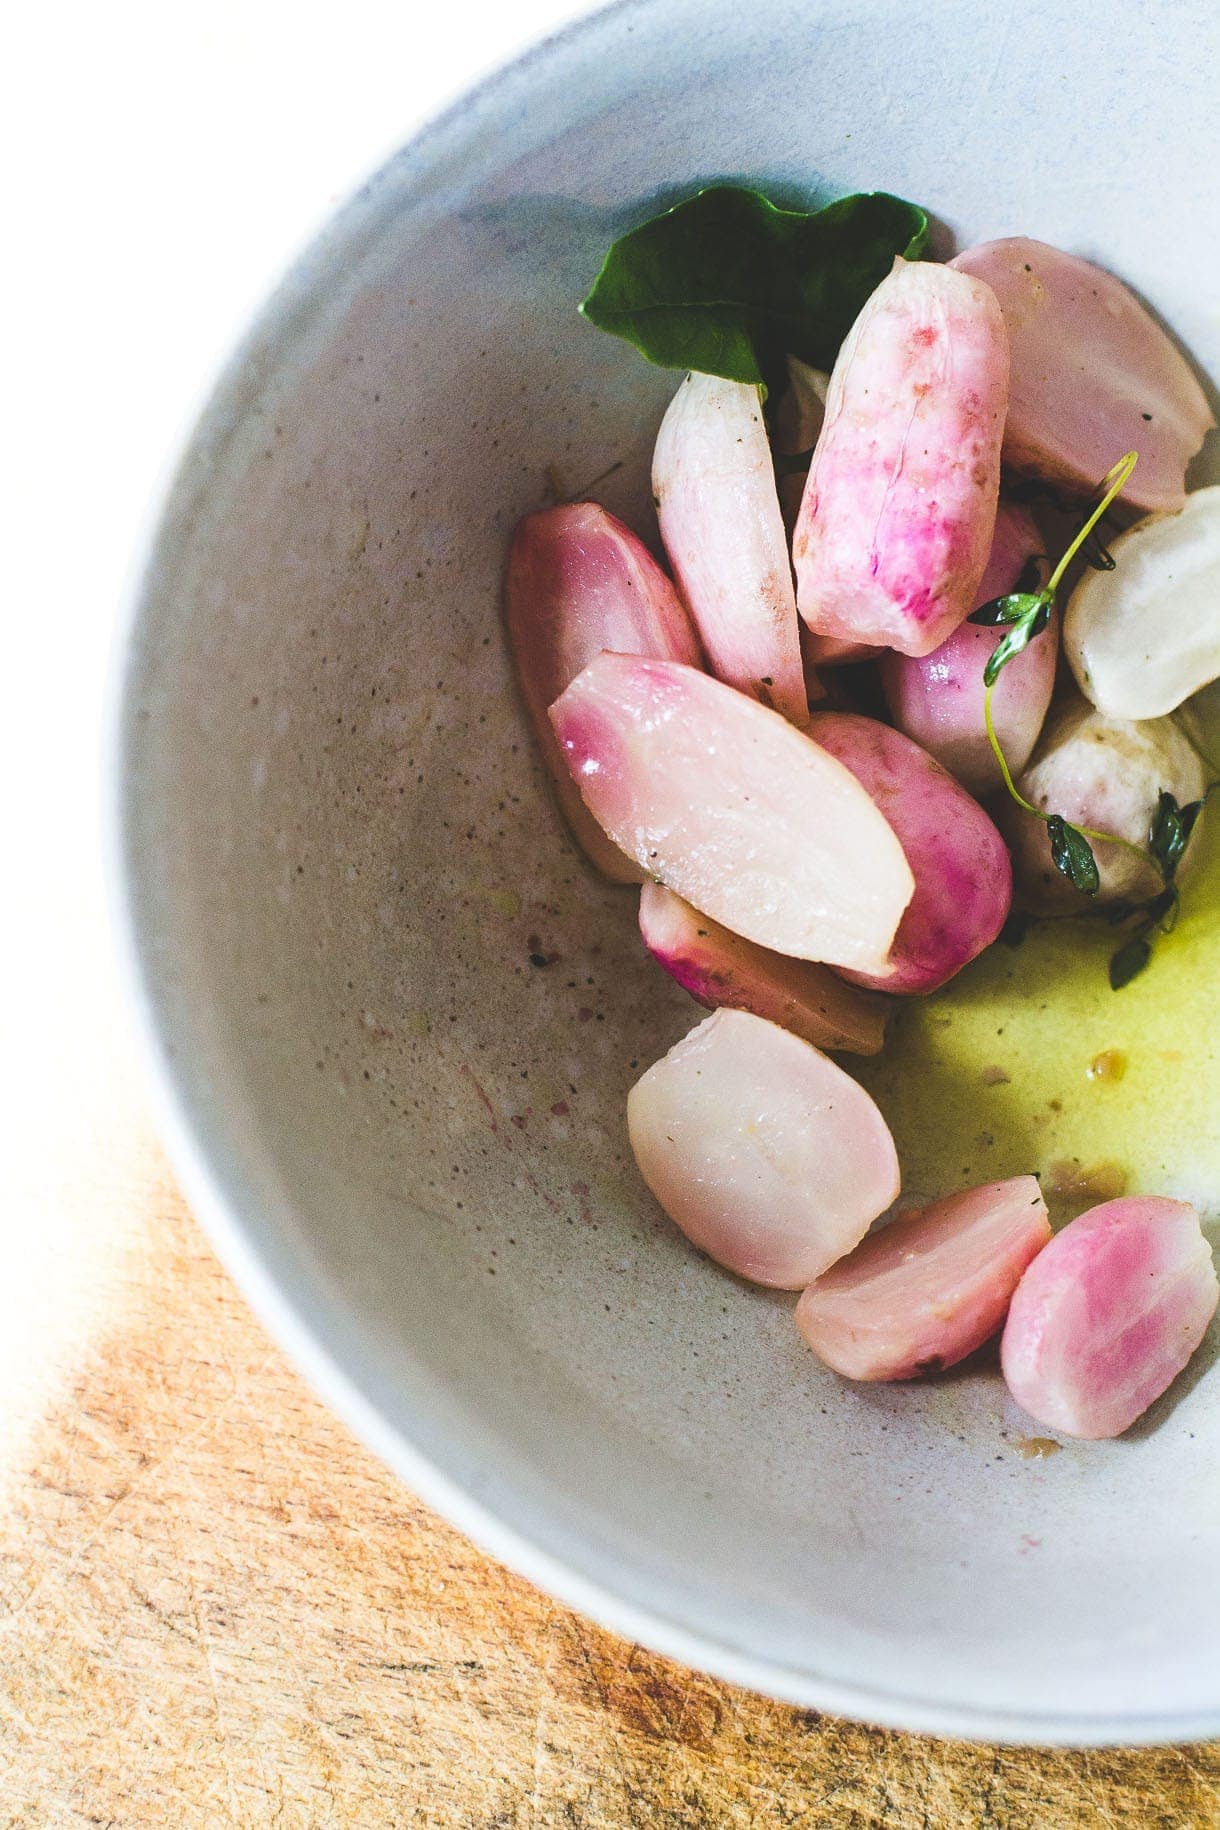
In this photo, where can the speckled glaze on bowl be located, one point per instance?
(395, 1019)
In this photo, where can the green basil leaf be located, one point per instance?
(1072, 854)
(1129, 962)
(727, 284)
(1010, 609)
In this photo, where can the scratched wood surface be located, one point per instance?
(218, 1609)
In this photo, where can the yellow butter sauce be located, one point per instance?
(991, 1076)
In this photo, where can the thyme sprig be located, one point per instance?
(1023, 615)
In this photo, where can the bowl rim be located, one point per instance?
(304, 1318)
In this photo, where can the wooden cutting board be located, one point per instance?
(218, 1609)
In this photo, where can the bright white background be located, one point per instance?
(163, 161)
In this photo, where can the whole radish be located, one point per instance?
(938, 698)
(713, 482)
(899, 507)
(963, 880)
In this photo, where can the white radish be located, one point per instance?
(1145, 636)
(713, 482)
(963, 880)
(721, 969)
(1107, 774)
(732, 807)
(769, 1157)
(1108, 1315)
(928, 1289)
(578, 581)
(1093, 375)
(899, 506)
(938, 698)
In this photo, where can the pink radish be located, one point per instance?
(1106, 1318)
(938, 698)
(721, 969)
(769, 1157)
(579, 581)
(900, 503)
(713, 482)
(1093, 375)
(929, 1288)
(729, 805)
(963, 880)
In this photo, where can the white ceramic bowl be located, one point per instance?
(337, 861)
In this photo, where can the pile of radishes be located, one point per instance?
(800, 857)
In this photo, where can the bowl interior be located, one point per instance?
(397, 1015)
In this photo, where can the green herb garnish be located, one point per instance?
(1168, 839)
(727, 284)
(1072, 854)
(1170, 835)
(1129, 961)
(1023, 615)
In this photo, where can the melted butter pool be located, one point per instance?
(990, 1077)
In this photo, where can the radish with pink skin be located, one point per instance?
(1107, 1317)
(767, 1155)
(928, 1289)
(732, 807)
(721, 969)
(713, 482)
(963, 878)
(1093, 375)
(938, 698)
(579, 581)
(896, 523)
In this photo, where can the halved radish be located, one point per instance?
(579, 581)
(714, 485)
(929, 1288)
(735, 809)
(1145, 636)
(1093, 375)
(769, 1157)
(1107, 1316)
(896, 523)
(938, 698)
(963, 879)
(721, 969)
(1108, 774)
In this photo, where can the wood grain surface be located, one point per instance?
(218, 1609)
